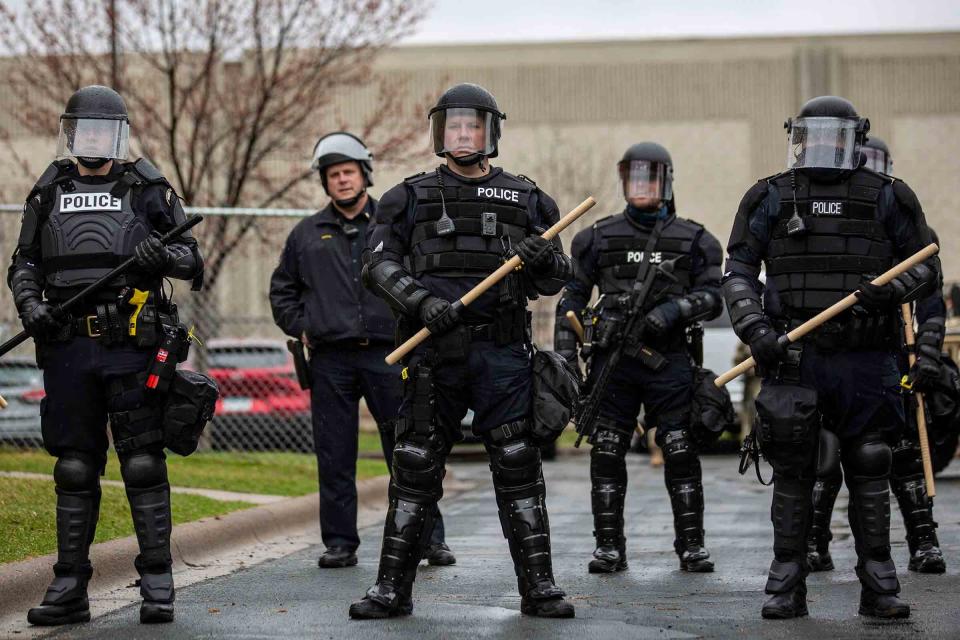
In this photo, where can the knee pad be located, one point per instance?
(76, 471)
(828, 455)
(418, 471)
(610, 447)
(143, 470)
(906, 459)
(515, 465)
(869, 458)
(679, 456)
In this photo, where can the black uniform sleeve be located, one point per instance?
(545, 213)
(383, 271)
(576, 293)
(704, 301)
(286, 290)
(25, 274)
(740, 283)
(165, 211)
(907, 228)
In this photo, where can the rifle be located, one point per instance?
(62, 309)
(589, 410)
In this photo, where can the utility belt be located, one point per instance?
(509, 326)
(134, 320)
(853, 333)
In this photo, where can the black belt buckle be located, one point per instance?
(90, 321)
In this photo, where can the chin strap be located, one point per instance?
(349, 202)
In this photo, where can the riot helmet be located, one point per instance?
(340, 146)
(877, 155)
(465, 124)
(646, 171)
(826, 134)
(94, 127)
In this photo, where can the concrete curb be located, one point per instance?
(22, 584)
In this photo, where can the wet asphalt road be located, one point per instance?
(292, 598)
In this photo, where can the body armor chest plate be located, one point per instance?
(88, 232)
(483, 222)
(842, 240)
(620, 252)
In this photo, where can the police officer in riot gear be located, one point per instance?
(824, 228)
(906, 477)
(608, 256)
(81, 220)
(437, 235)
(317, 296)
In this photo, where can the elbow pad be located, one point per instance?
(699, 305)
(744, 306)
(915, 283)
(390, 281)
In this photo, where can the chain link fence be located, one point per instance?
(262, 408)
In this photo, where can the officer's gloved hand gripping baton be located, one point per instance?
(492, 279)
(927, 252)
(61, 309)
(921, 414)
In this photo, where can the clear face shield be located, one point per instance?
(642, 179)
(824, 143)
(461, 132)
(878, 160)
(93, 138)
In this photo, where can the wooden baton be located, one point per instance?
(921, 413)
(492, 279)
(575, 324)
(830, 312)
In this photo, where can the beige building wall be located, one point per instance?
(718, 105)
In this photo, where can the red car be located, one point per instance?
(261, 405)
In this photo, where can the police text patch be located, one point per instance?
(497, 192)
(78, 202)
(820, 208)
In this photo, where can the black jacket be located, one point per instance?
(316, 287)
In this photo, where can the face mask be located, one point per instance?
(92, 163)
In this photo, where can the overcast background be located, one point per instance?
(460, 21)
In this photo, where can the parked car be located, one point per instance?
(21, 385)
(261, 405)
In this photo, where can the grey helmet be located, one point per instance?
(340, 146)
(94, 127)
(877, 155)
(826, 135)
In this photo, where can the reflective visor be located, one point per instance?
(644, 179)
(878, 160)
(93, 138)
(461, 132)
(826, 143)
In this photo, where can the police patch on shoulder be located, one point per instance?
(826, 208)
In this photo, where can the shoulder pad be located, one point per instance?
(51, 173)
(525, 183)
(755, 195)
(607, 221)
(146, 171)
(906, 197)
(526, 179)
(691, 222)
(414, 176)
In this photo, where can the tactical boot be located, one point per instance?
(607, 498)
(825, 492)
(686, 499)
(439, 555)
(153, 522)
(927, 559)
(917, 510)
(879, 589)
(404, 540)
(66, 599)
(546, 601)
(787, 585)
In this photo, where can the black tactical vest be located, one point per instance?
(488, 219)
(620, 247)
(88, 232)
(843, 241)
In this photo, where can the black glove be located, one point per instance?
(766, 349)
(536, 253)
(925, 372)
(877, 297)
(663, 317)
(438, 315)
(153, 256)
(39, 319)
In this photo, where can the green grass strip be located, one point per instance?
(28, 516)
